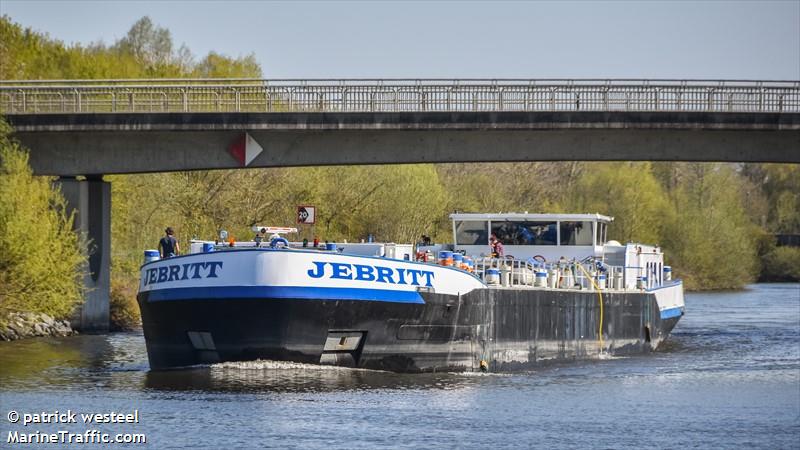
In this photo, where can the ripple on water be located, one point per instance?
(264, 364)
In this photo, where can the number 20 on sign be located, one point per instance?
(306, 214)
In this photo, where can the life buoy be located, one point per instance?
(278, 240)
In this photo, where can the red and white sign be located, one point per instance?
(306, 215)
(245, 149)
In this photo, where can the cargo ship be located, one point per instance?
(559, 291)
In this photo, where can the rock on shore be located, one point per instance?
(19, 325)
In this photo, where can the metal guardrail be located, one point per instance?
(567, 275)
(395, 95)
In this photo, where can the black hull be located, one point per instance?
(508, 329)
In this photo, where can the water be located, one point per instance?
(728, 377)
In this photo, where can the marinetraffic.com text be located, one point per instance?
(36, 427)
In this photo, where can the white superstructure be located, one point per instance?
(525, 235)
(541, 251)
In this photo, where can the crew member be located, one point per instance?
(497, 246)
(168, 245)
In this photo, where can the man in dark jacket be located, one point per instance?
(168, 245)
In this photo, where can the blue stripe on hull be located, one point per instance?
(294, 292)
(671, 312)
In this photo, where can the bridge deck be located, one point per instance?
(395, 95)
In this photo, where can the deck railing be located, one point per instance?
(395, 95)
(565, 274)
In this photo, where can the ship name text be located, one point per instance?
(178, 272)
(379, 274)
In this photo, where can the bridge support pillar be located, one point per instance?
(91, 201)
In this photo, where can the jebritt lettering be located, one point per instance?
(379, 274)
(180, 272)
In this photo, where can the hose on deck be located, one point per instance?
(600, 301)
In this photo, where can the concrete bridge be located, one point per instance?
(92, 128)
(83, 128)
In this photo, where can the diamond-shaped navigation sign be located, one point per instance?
(306, 215)
(245, 149)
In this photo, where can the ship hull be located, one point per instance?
(508, 329)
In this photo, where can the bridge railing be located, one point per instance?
(395, 95)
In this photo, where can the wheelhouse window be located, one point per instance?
(576, 233)
(601, 233)
(471, 232)
(525, 233)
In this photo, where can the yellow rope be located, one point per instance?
(600, 295)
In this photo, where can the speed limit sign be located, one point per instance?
(306, 215)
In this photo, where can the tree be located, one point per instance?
(41, 265)
(495, 187)
(712, 240)
(149, 44)
(780, 184)
(630, 193)
(215, 65)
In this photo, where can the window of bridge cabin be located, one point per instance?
(601, 233)
(525, 232)
(576, 233)
(472, 232)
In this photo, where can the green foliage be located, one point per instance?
(711, 241)
(534, 187)
(630, 193)
(123, 310)
(195, 204)
(780, 184)
(782, 264)
(393, 203)
(41, 263)
(215, 65)
(146, 51)
(389, 202)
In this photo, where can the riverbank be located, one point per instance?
(20, 325)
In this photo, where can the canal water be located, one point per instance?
(728, 377)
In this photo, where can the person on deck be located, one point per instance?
(497, 246)
(168, 245)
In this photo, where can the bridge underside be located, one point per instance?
(93, 144)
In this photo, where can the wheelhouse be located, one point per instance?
(551, 236)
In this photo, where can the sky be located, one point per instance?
(450, 39)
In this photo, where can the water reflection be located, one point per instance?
(277, 380)
(38, 362)
(119, 361)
